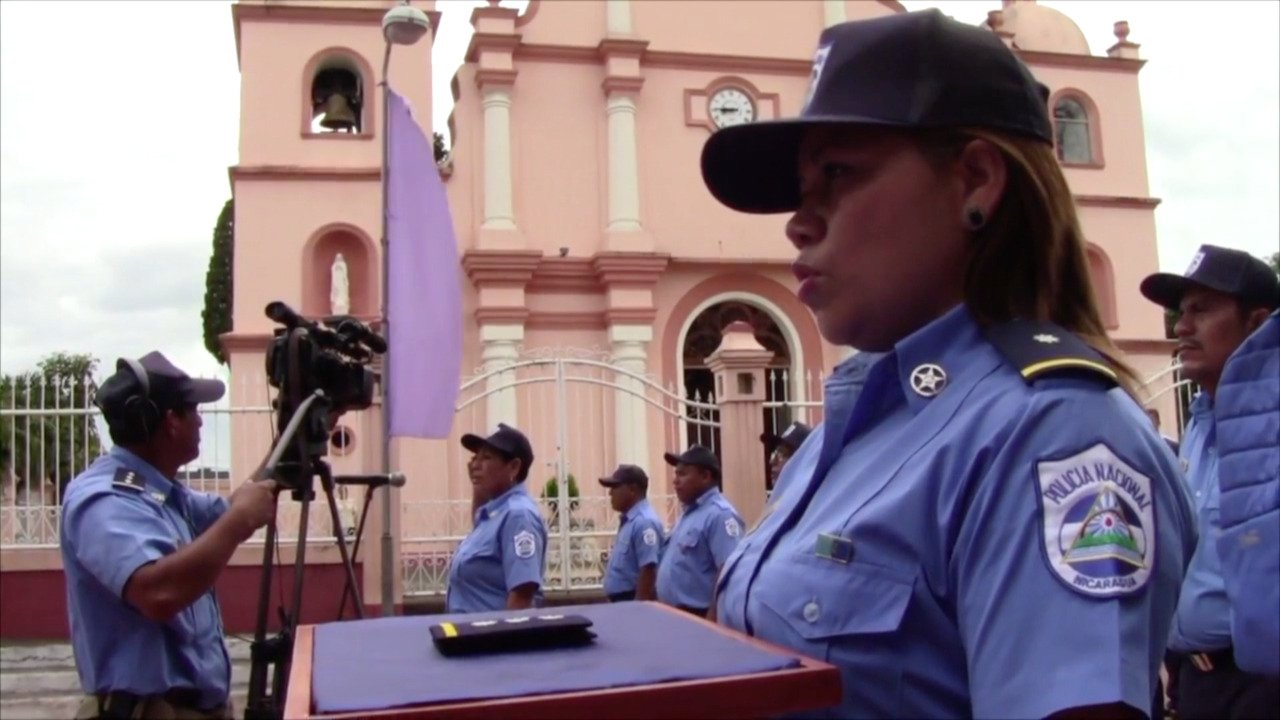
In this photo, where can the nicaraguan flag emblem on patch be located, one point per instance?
(1099, 522)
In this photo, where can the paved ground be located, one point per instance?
(39, 682)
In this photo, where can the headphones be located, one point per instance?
(141, 401)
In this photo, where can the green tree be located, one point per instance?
(218, 297)
(438, 146)
(551, 493)
(38, 445)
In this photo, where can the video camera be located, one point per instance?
(321, 371)
(331, 356)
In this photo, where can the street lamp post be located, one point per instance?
(401, 25)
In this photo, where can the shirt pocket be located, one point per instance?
(687, 541)
(851, 616)
(831, 600)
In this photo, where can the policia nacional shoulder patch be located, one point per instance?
(1099, 522)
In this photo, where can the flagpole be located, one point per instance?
(388, 547)
(401, 25)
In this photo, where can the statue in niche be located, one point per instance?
(339, 288)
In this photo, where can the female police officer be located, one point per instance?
(499, 563)
(990, 527)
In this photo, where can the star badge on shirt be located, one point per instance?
(928, 380)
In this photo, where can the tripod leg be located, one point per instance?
(355, 546)
(257, 703)
(326, 481)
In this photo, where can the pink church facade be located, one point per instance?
(599, 274)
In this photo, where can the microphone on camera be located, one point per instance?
(394, 479)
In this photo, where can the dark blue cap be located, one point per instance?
(1233, 272)
(627, 475)
(914, 70)
(154, 377)
(793, 437)
(697, 456)
(506, 440)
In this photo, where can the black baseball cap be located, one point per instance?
(1234, 272)
(793, 437)
(507, 440)
(157, 379)
(627, 475)
(697, 456)
(916, 70)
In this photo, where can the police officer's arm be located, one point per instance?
(646, 543)
(521, 598)
(1026, 610)
(523, 548)
(164, 587)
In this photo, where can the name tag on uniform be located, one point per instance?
(834, 547)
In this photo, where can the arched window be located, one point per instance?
(335, 83)
(1073, 136)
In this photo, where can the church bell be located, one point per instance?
(335, 97)
(338, 114)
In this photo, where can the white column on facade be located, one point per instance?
(833, 12)
(631, 427)
(624, 180)
(617, 17)
(498, 213)
(499, 350)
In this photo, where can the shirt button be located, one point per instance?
(812, 611)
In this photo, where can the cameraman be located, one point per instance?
(141, 553)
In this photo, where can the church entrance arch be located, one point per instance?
(701, 336)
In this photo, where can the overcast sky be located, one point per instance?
(118, 122)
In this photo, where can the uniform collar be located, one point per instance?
(156, 482)
(636, 510)
(704, 498)
(495, 505)
(1202, 405)
(854, 369)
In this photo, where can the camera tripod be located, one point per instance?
(271, 656)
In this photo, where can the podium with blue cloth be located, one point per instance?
(648, 660)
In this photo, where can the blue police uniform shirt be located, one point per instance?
(507, 548)
(1203, 619)
(109, 530)
(638, 544)
(999, 549)
(706, 533)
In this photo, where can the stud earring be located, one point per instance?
(975, 219)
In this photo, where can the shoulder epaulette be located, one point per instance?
(126, 478)
(1041, 349)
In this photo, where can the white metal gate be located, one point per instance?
(572, 409)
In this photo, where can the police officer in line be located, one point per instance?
(1247, 414)
(988, 525)
(141, 553)
(1223, 297)
(632, 573)
(781, 447)
(499, 563)
(707, 531)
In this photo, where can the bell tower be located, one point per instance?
(307, 190)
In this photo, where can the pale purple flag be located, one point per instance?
(424, 299)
